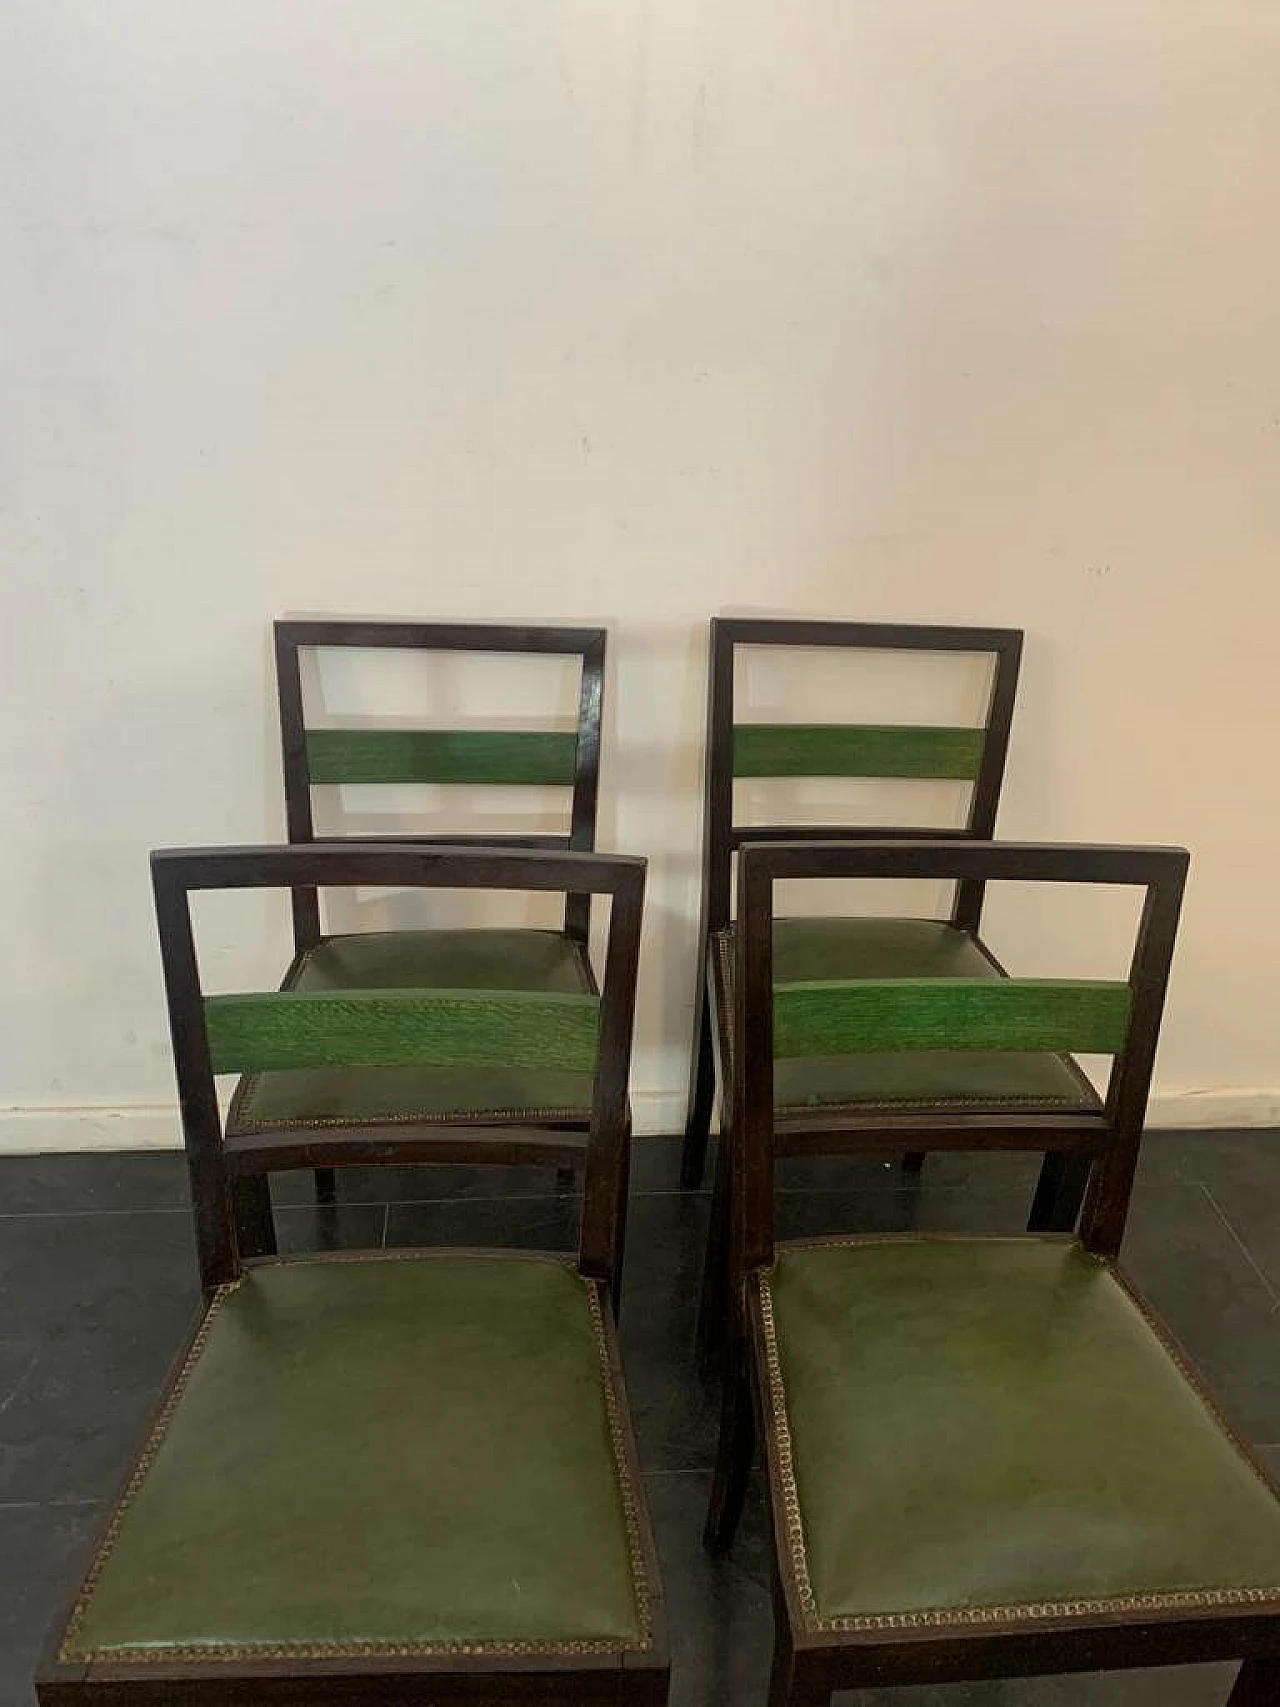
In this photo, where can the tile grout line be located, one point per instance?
(1246, 1252)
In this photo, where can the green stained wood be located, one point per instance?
(283, 1029)
(868, 1016)
(442, 755)
(856, 749)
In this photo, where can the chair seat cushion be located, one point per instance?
(811, 949)
(404, 1454)
(962, 1425)
(426, 959)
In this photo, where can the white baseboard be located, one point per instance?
(33, 1129)
(90, 1126)
(1220, 1107)
(36, 1129)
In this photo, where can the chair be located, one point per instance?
(517, 958)
(908, 1096)
(986, 1457)
(386, 1476)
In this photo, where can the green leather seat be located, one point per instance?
(412, 1454)
(968, 1424)
(426, 959)
(810, 949)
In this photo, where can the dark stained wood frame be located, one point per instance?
(722, 838)
(291, 636)
(1065, 1173)
(809, 1666)
(638, 1676)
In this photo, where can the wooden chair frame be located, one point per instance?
(1064, 1176)
(588, 644)
(292, 637)
(214, 1162)
(722, 837)
(809, 1666)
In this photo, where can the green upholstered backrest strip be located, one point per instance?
(851, 749)
(866, 1016)
(442, 755)
(390, 1028)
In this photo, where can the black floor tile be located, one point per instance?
(719, 1612)
(655, 1164)
(546, 1223)
(54, 1184)
(674, 1413)
(40, 1549)
(330, 1227)
(948, 1170)
(99, 1305)
(1241, 1173)
(1186, 1262)
(416, 1185)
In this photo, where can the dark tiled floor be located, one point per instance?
(97, 1285)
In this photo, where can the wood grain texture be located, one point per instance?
(844, 1017)
(517, 756)
(283, 1029)
(848, 749)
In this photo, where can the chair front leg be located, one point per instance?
(702, 1090)
(1060, 1192)
(1257, 1685)
(734, 1452)
(789, 1686)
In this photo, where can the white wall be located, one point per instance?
(551, 310)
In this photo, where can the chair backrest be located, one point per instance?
(536, 757)
(739, 750)
(1116, 1018)
(284, 1029)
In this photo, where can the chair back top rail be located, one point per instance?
(486, 757)
(1120, 1018)
(735, 749)
(283, 1030)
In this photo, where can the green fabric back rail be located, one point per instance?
(279, 1030)
(874, 1015)
(848, 749)
(515, 756)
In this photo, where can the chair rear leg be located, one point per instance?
(1257, 1685)
(702, 1090)
(1060, 1192)
(733, 1454)
(713, 1304)
(255, 1224)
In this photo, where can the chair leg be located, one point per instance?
(713, 1304)
(1060, 1193)
(326, 1185)
(788, 1686)
(1257, 1685)
(734, 1453)
(255, 1224)
(702, 1092)
(913, 1162)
